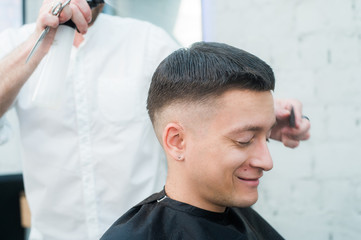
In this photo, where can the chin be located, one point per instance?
(247, 201)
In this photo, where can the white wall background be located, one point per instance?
(314, 47)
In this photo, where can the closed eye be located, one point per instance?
(245, 144)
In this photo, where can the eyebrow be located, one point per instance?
(251, 128)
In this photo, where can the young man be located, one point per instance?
(212, 111)
(96, 155)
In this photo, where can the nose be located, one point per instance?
(262, 157)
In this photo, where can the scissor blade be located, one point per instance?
(41, 37)
(56, 12)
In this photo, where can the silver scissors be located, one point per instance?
(56, 10)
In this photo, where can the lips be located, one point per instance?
(253, 182)
(249, 179)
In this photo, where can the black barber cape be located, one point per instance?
(161, 218)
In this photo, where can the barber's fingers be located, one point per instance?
(80, 14)
(302, 132)
(283, 110)
(289, 142)
(84, 9)
(282, 114)
(65, 14)
(304, 128)
(45, 17)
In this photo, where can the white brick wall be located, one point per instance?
(314, 47)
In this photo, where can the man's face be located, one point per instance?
(227, 152)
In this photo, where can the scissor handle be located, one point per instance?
(56, 10)
(59, 7)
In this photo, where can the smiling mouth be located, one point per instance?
(249, 179)
(253, 182)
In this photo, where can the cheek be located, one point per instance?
(199, 155)
(236, 157)
(218, 164)
(203, 159)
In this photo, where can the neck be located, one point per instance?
(183, 192)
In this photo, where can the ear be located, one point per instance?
(173, 141)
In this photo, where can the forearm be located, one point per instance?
(14, 71)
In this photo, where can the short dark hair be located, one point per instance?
(206, 69)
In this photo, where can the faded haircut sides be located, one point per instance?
(206, 69)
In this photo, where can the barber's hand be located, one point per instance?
(283, 132)
(77, 10)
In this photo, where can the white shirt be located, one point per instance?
(91, 159)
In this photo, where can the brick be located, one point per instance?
(338, 160)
